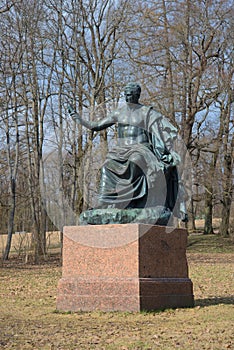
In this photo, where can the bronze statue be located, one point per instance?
(140, 173)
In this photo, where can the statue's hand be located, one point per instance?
(71, 110)
(73, 113)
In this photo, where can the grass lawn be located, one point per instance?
(28, 317)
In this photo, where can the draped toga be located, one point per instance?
(141, 170)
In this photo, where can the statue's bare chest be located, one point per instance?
(134, 117)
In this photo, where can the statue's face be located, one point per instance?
(131, 94)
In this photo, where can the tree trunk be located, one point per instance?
(193, 215)
(10, 221)
(208, 228)
(227, 166)
(12, 160)
(224, 225)
(227, 197)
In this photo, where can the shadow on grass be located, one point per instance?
(214, 301)
(200, 243)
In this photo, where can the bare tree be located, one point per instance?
(227, 146)
(33, 91)
(10, 105)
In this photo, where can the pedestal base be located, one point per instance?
(148, 272)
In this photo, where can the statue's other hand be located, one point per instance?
(73, 113)
(71, 110)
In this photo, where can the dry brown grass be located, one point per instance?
(201, 222)
(28, 317)
(22, 242)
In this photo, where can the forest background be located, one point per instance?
(52, 52)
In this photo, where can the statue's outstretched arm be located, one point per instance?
(94, 126)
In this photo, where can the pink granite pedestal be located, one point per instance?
(127, 267)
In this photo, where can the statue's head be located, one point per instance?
(132, 92)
